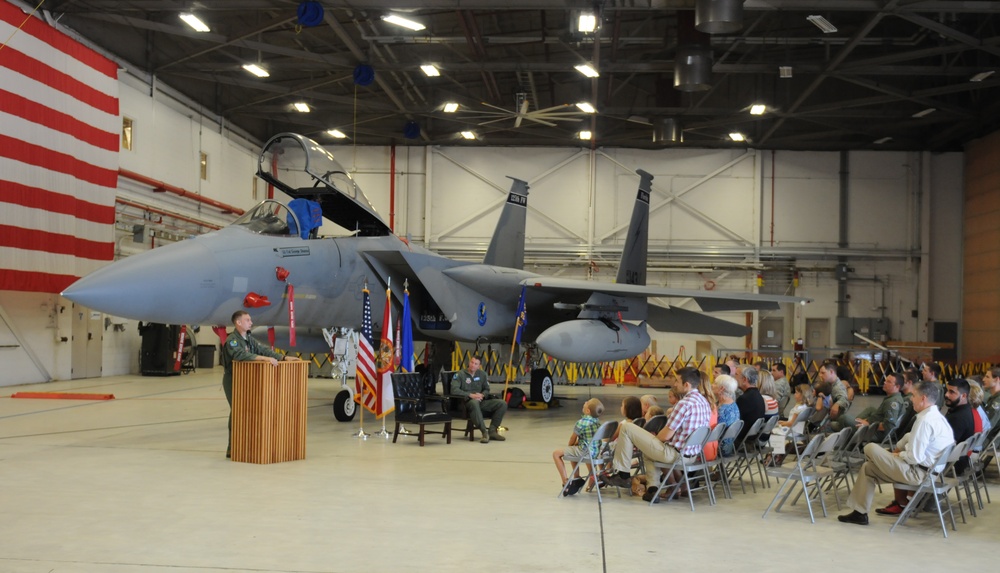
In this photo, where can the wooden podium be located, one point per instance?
(269, 412)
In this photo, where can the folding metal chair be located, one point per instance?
(596, 463)
(722, 462)
(805, 471)
(744, 450)
(935, 485)
(688, 466)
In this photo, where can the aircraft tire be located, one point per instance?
(344, 407)
(542, 387)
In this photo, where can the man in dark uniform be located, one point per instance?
(471, 384)
(242, 346)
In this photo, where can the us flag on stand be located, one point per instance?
(364, 377)
(59, 129)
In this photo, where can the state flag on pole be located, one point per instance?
(385, 362)
(522, 317)
(406, 340)
(364, 379)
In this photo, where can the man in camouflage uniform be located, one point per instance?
(472, 386)
(887, 414)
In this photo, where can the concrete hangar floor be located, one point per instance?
(141, 484)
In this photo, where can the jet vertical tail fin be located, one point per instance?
(632, 267)
(507, 246)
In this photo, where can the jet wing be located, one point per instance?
(708, 301)
(674, 319)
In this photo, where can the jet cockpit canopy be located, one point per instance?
(302, 168)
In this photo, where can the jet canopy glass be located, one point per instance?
(302, 168)
(269, 218)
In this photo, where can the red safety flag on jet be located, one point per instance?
(385, 362)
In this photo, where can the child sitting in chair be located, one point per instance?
(582, 437)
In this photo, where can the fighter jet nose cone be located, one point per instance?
(176, 284)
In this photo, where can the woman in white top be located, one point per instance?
(803, 398)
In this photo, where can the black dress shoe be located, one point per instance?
(854, 517)
(650, 494)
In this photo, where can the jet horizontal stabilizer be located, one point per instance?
(673, 319)
(707, 300)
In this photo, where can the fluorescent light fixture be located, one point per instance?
(404, 22)
(337, 133)
(586, 107)
(256, 70)
(822, 23)
(981, 76)
(737, 136)
(587, 22)
(301, 106)
(587, 70)
(195, 23)
(585, 135)
(883, 140)
(430, 70)
(758, 109)
(469, 134)
(450, 107)
(927, 111)
(785, 71)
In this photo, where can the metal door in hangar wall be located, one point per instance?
(88, 336)
(771, 336)
(818, 338)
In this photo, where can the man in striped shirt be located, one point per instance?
(691, 413)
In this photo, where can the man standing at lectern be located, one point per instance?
(242, 346)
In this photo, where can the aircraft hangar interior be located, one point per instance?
(592, 196)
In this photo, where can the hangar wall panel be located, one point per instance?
(981, 269)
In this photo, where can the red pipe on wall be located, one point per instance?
(160, 186)
(166, 214)
(392, 188)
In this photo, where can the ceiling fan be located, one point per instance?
(522, 111)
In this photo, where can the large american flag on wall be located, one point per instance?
(59, 129)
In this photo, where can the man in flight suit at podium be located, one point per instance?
(242, 346)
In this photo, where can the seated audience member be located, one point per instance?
(991, 384)
(705, 389)
(631, 412)
(673, 397)
(768, 391)
(647, 401)
(794, 425)
(976, 398)
(724, 389)
(750, 403)
(909, 463)
(690, 414)
(721, 369)
(959, 416)
(579, 441)
(784, 390)
(886, 415)
(847, 379)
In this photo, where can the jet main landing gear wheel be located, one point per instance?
(542, 388)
